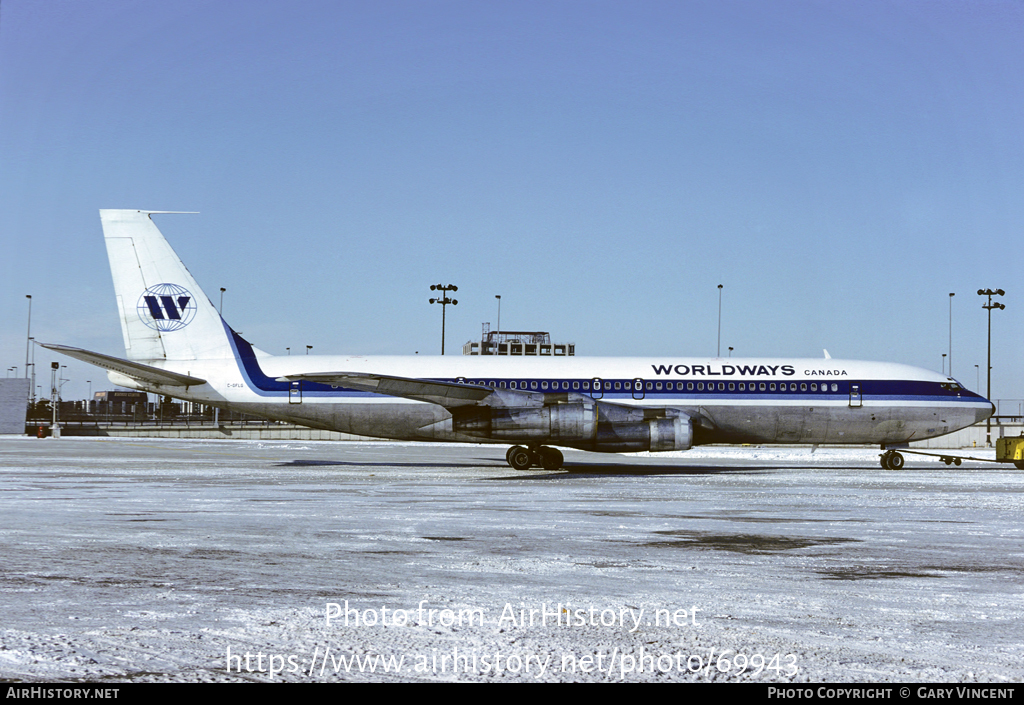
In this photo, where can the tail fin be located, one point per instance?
(164, 314)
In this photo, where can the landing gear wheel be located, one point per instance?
(550, 458)
(956, 461)
(896, 461)
(520, 458)
(508, 453)
(883, 460)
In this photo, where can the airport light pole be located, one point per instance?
(221, 310)
(61, 381)
(32, 384)
(28, 335)
(28, 342)
(718, 353)
(54, 427)
(943, 363)
(951, 295)
(988, 394)
(444, 301)
(498, 297)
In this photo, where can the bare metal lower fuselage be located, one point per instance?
(816, 421)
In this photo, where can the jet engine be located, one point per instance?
(589, 426)
(557, 423)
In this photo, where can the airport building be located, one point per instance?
(13, 398)
(517, 342)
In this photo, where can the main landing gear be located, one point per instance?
(891, 460)
(522, 458)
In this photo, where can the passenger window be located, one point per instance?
(700, 386)
(544, 385)
(761, 386)
(835, 387)
(533, 385)
(575, 385)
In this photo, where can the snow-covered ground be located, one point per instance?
(294, 561)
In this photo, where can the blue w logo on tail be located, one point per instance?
(166, 307)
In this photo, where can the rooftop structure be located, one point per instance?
(516, 342)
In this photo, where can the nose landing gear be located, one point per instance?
(521, 458)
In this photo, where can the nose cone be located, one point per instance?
(983, 412)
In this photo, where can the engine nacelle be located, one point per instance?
(671, 433)
(557, 423)
(600, 427)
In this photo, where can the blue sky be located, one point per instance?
(839, 167)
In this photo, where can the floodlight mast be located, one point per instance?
(444, 301)
(988, 395)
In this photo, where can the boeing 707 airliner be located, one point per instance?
(177, 344)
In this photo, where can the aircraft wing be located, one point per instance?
(446, 394)
(452, 395)
(135, 370)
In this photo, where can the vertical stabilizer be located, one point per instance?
(164, 314)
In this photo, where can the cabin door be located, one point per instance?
(856, 397)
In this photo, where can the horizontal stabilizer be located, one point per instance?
(135, 370)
